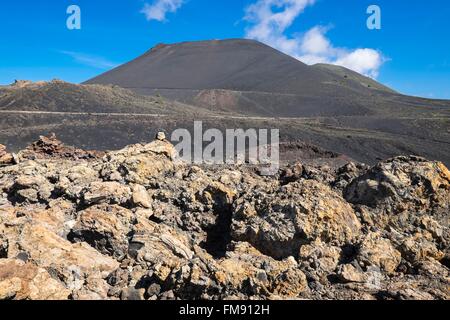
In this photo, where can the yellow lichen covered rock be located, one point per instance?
(298, 213)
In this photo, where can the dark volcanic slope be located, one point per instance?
(231, 84)
(240, 65)
(255, 79)
(60, 96)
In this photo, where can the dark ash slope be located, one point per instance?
(60, 96)
(230, 84)
(255, 79)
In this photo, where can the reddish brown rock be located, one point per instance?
(52, 148)
(25, 281)
(5, 157)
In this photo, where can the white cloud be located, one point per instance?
(90, 60)
(269, 25)
(364, 61)
(270, 19)
(160, 8)
(314, 42)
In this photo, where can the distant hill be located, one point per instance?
(351, 77)
(239, 65)
(230, 84)
(60, 96)
(251, 78)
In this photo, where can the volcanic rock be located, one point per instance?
(279, 223)
(379, 252)
(106, 192)
(25, 281)
(5, 158)
(104, 228)
(402, 184)
(51, 147)
(140, 224)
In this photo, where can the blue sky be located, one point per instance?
(411, 53)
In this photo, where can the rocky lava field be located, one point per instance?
(139, 224)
